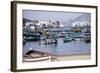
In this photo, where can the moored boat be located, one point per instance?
(24, 41)
(48, 41)
(87, 40)
(87, 37)
(67, 39)
(35, 56)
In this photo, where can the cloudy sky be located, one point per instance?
(63, 17)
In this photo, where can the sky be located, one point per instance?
(63, 17)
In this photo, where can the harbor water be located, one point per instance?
(61, 48)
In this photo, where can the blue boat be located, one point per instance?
(32, 37)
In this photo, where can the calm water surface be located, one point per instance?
(68, 48)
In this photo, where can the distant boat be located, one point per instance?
(87, 37)
(87, 40)
(30, 36)
(76, 29)
(67, 39)
(24, 41)
(48, 41)
(33, 38)
(42, 42)
(61, 35)
(54, 41)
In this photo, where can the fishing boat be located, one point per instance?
(48, 41)
(42, 42)
(24, 41)
(54, 41)
(33, 38)
(87, 36)
(35, 56)
(61, 35)
(87, 40)
(67, 37)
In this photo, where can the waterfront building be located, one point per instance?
(80, 24)
(37, 24)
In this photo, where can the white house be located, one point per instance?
(43, 23)
(32, 27)
(61, 25)
(78, 23)
(28, 23)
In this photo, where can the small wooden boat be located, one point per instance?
(35, 56)
(48, 59)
